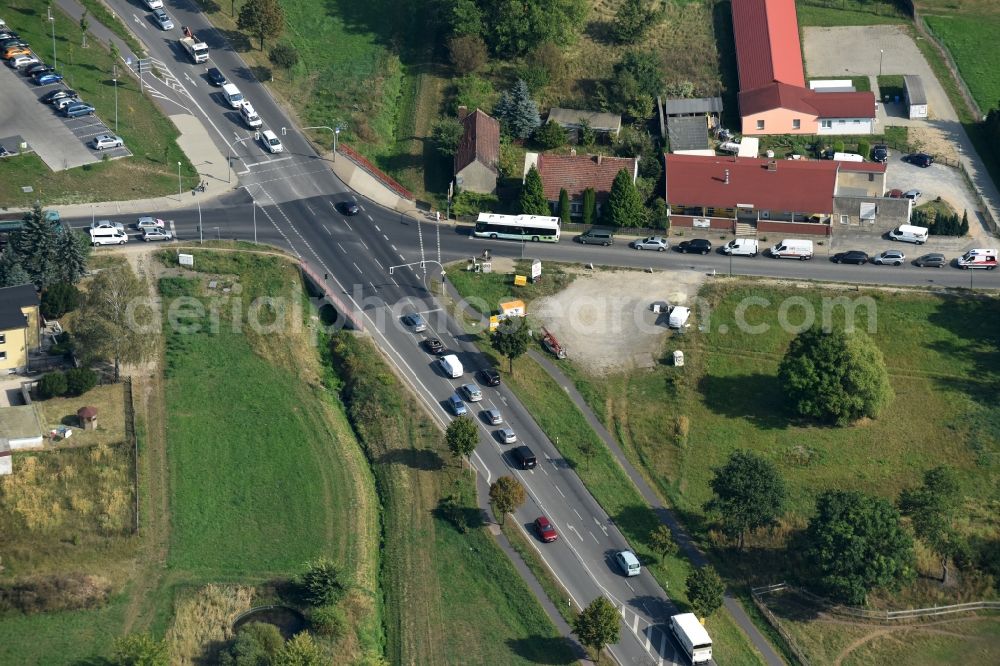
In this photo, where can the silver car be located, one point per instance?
(493, 416)
(103, 141)
(147, 222)
(472, 392)
(162, 20)
(156, 235)
(894, 257)
(506, 435)
(658, 243)
(107, 224)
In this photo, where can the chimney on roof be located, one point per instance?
(600, 158)
(772, 165)
(463, 111)
(572, 151)
(726, 181)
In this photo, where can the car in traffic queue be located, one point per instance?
(162, 19)
(414, 322)
(507, 436)
(546, 532)
(215, 77)
(492, 416)
(156, 234)
(490, 377)
(149, 222)
(434, 346)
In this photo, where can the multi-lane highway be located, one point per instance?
(297, 195)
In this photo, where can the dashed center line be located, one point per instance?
(341, 248)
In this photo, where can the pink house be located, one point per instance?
(774, 98)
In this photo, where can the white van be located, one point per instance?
(909, 234)
(233, 95)
(250, 116)
(793, 248)
(848, 157)
(451, 366)
(107, 236)
(979, 258)
(741, 247)
(628, 562)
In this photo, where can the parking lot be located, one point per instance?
(62, 143)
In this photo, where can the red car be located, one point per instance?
(546, 532)
(894, 194)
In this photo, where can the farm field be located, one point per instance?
(152, 171)
(451, 595)
(965, 36)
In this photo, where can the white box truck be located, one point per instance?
(196, 50)
(741, 247)
(909, 233)
(451, 366)
(793, 248)
(693, 638)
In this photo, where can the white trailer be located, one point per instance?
(693, 638)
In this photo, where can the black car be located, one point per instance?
(433, 345)
(933, 260)
(215, 77)
(880, 153)
(695, 245)
(524, 457)
(53, 95)
(348, 208)
(490, 377)
(851, 257)
(11, 41)
(922, 160)
(37, 69)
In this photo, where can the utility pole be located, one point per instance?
(52, 20)
(254, 222)
(179, 182)
(201, 236)
(114, 77)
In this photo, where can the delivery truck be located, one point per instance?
(196, 50)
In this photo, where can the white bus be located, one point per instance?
(517, 227)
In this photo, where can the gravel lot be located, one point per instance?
(604, 318)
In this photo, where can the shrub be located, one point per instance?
(62, 592)
(329, 621)
(468, 53)
(321, 583)
(838, 146)
(473, 203)
(51, 385)
(284, 56)
(864, 149)
(551, 135)
(64, 345)
(473, 92)
(58, 299)
(80, 380)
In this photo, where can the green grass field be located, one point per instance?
(151, 137)
(70, 637)
(965, 36)
(451, 597)
(847, 12)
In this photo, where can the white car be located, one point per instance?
(23, 61)
(154, 4)
(658, 243)
(103, 141)
(913, 195)
(156, 234)
(162, 20)
(62, 103)
(472, 392)
(271, 141)
(506, 435)
(147, 222)
(107, 224)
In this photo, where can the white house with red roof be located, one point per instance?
(774, 97)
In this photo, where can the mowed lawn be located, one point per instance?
(265, 473)
(148, 134)
(971, 40)
(69, 637)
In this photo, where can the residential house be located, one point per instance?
(784, 197)
(478, 154)
(607, 124)
(20, 327)
(774, 98)
(576, 173)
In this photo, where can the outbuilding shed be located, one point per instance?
(916, 98)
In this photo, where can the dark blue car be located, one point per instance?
(48, 78)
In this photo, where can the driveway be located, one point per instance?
(45, 131)
(855, 51)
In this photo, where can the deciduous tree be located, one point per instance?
(624, 207)
(261, 18)
(599, 624)
(447, 134)
(856, 543)
(533, 201)
(749, 494)
(835, 376)
(551, 135)
(115, 325)
(462, 436)
(467, 53)
(321, 582)
(506, 495)
(632, 20)
(511, 339)
(513, 28)
(256, 643)
(517, 112)
(301, 650)
(932, 509)
(704, 590)
(635, 83)
(662, 541)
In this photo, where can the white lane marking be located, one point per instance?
(663, 645)
(402, 258)
(190, 79)
(341, 248)
(370, 218)
(311, 211)
(381, 267)
(570, 527)
(377, 229)
(327, 229)
(372, 285)
(393, 247)
(267, 161)
(559, 490)
(358, 267)
(349, 227)
(629, 585)
(430, 311)
(595, 538)
(393, 280)
(635, 623)
(364, 243)
(576, 512)
(140, 22)
(543, 470)
(384, 236)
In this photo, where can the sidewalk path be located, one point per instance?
(688, 548)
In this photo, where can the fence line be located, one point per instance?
(774, 622)
(131, 437)
(925, 30)
(880, 615)
(366, 165)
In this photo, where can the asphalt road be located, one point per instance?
(296, 195)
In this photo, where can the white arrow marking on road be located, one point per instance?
(190, 79)
(139, 21)
(570, 527)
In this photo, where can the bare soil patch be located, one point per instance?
(605, 321)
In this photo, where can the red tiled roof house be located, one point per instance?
(478, 153)
(774, 98)
(576, 173)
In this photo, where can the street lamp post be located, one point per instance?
(881, 52)
(114, 77)
(52, 20)
(178, 181)
(254, 222)
(336, 132)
